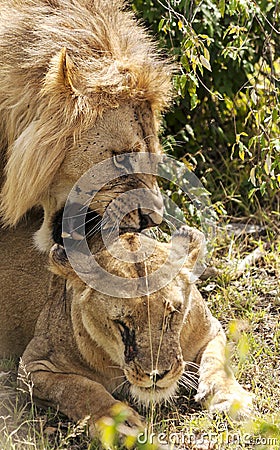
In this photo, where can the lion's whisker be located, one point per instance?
(113, 228)
(95, 229)
(90, 220)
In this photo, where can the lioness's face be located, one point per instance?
(140, 334)
(151, 354)
(131, 127)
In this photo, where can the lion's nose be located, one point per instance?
(149, 218)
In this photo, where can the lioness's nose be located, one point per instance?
(155, 375)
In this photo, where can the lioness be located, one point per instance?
(91, 350)
(80, 82)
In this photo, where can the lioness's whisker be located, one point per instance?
(189, 381)
(191, 376)
(172, 226)
(191, 364)
(187, 384)
(148, 137)
(149, 316)
(120, 385)
(161, 334)
(120, 376)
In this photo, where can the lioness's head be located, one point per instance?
(140, 334)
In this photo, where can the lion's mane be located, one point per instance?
(62, 63)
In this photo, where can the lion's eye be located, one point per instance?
(120, 160)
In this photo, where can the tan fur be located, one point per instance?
(24, 282)
(73, 74)
(87, 345)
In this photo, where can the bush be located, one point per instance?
(225, 120)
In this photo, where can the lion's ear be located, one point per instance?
(62, 75)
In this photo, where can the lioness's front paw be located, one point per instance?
(234, 400)
(190, 237)
(121, 417)
(239, 405)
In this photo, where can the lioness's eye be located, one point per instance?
(166, 323)
(123, 328)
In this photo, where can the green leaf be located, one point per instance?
(161, 24)
(253, 176)
(222, 5)
(267, 164)
(275, 115)
(205, 62)
(194, 101)
(241, 151)
(254, 97)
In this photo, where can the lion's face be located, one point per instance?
(140, 334)
(96, 88)
(127, 129)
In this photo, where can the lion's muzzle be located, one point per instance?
(135, 209)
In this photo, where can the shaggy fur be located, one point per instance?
(63, 63)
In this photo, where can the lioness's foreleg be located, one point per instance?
(79, 397)
(217, 384)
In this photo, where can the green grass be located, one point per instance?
(249, 310)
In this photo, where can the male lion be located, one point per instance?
(91, 350)
(80, 82)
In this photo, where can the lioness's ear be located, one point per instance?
(62, 74)
(59, 263)
(191, 242)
